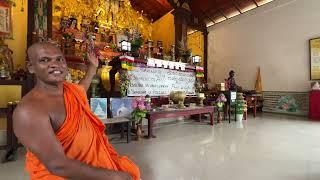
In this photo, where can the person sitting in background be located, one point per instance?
(231, 82)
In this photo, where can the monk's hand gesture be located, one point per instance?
(91, 71)
(93, 60)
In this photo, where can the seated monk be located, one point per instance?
(64, 140)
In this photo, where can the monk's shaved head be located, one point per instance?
(35, 48)
(45, 57)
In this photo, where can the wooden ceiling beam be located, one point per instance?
(205, 10)
(154, 9)
(236, 6)
(222, 13)
(205, 14)
(255, 2)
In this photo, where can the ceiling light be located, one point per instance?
(220, 19)
(210, 24)
(248, 8)
(235, 13)
(264, 2)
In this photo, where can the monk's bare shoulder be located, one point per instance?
(30, 106)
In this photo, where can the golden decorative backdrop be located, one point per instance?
(114, 15)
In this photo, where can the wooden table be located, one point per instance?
(122, 121)
(152, 116)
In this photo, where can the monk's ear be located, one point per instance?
(30, 67)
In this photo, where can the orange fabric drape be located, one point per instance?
(82, 137)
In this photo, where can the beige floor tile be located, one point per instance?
(269, 147)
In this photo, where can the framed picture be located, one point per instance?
(121, 107)
(314, 58)
(5, 19)
(99, 107)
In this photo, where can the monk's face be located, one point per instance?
(48, 64)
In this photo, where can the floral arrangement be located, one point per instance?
(141, 106)
(220, 101)
(75, 75)
(124, 81)
(199, 87)
(136, 45)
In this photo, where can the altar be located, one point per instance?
(153, 116)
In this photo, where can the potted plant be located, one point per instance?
(184, 52)
(220, 101)
(141, 106)
(135, 46)
(241, 106)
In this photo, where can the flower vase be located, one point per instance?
(239, 117)
(139, 131)
(220, 110)
(219, 117)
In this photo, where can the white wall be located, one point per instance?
(275, 37)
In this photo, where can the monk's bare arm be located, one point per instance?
(91, 71)
(34, 131)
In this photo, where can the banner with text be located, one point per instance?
(160, 82)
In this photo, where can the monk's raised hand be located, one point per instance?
(93, 60)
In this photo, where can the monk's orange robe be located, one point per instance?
(82, 137)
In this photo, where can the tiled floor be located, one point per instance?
(269, 147)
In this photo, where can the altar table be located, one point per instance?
(152, 116)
